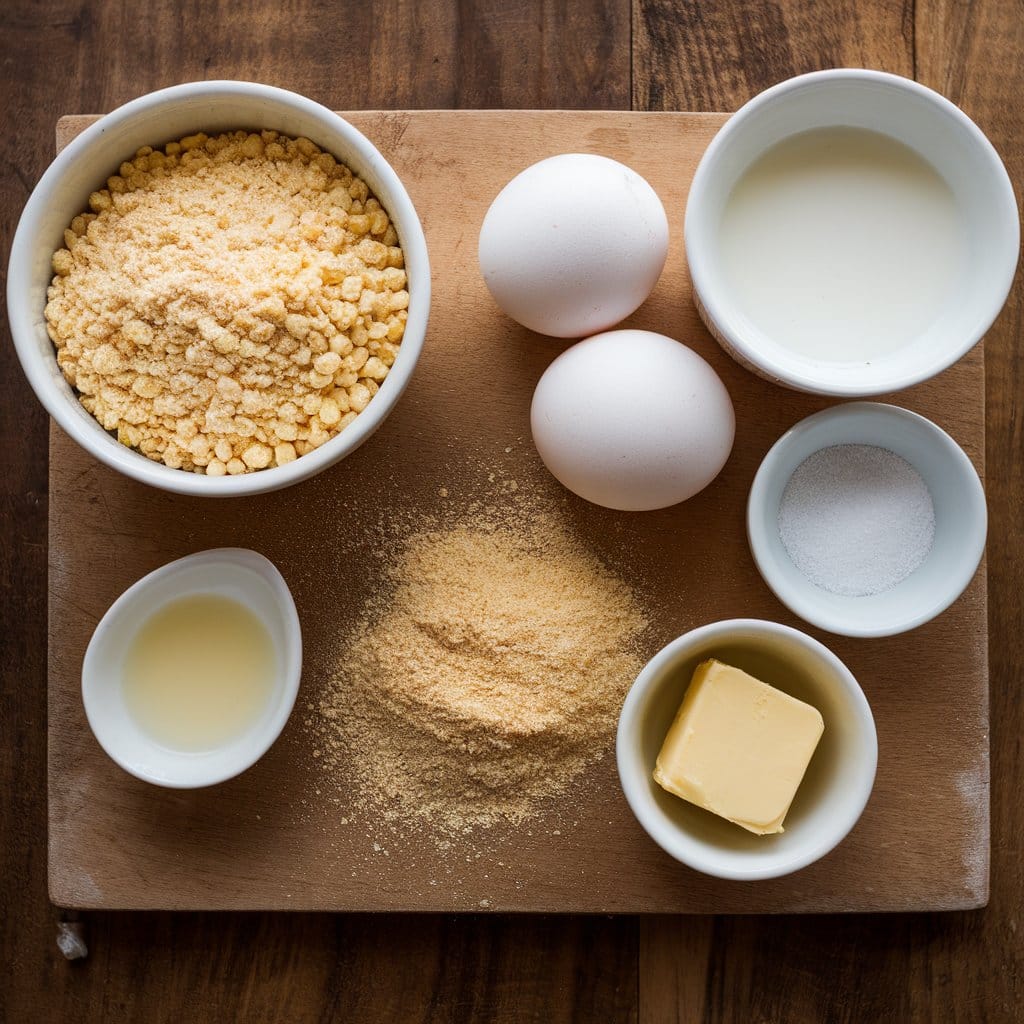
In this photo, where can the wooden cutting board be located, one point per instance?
(281, 837)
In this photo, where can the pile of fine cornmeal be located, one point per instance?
(482, 678)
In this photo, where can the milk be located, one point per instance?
(841, 244)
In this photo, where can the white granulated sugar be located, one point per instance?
(856, 519)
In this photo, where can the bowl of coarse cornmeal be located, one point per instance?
(220, 288)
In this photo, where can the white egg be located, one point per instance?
(632, 420)
(573, 245)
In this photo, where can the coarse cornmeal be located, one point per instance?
(230, 303)
(484, 677)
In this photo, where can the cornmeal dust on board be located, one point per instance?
(484, 675)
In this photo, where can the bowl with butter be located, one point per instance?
(746, 749)
(193, 672)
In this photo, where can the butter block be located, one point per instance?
(738, 747)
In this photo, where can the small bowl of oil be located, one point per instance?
(192, 673)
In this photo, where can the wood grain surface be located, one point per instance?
(117, 843)
(65, 55)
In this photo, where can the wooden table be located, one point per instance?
(699, 55)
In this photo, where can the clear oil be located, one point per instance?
(199, 673)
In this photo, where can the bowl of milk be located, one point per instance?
(850, 233)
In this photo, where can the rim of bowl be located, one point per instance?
(674, 840)
(132, 463)
(292, 676)
(713, 301)
(804, 605)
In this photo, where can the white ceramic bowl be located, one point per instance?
(235, 573)
(960, 519)
(921, 119)
(93, 156)
(838, 780)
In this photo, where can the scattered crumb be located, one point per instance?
(71, 940)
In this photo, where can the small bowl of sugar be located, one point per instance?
(867, 519)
